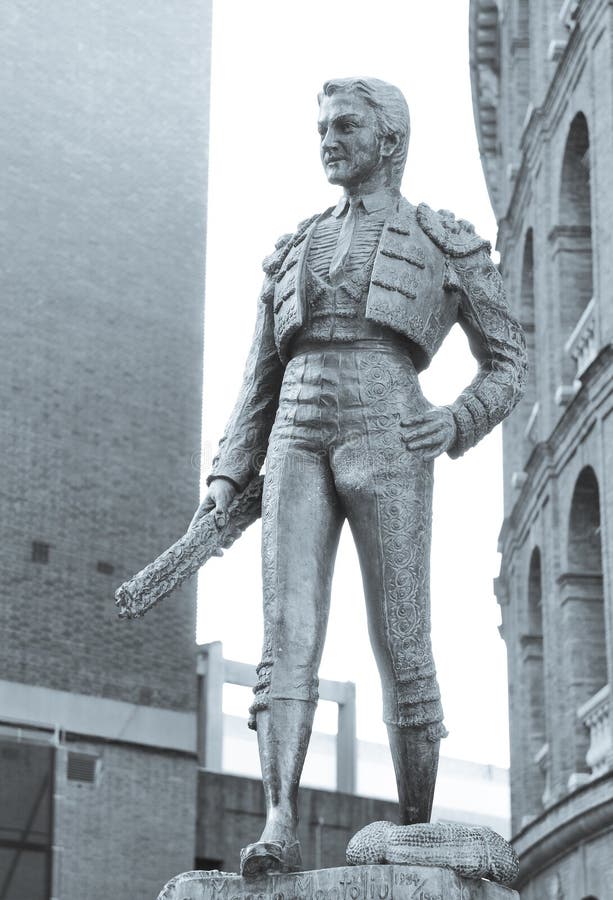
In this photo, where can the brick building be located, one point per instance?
(542, 77)
(104, 142)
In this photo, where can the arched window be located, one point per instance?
(582, 609)
(526, 314)
(584, 546)
(521, 64)
(515, 429)
(575, 182)
(534, 685)
(485, 72)
(574, 236)
(535, 595)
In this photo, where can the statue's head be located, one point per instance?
(364, 126)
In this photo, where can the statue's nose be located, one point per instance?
(329, 140)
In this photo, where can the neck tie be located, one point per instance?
(343, 246)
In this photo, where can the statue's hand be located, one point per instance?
(220, 495)
(430, 433)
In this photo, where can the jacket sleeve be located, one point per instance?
(497, 341)
(242, 449)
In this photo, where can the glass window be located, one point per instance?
(26, 788)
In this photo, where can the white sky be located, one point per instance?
(270, 58)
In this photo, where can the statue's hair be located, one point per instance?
(390, 108)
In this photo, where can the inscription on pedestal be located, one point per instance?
(376, 882)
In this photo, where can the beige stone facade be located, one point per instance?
(542, 75)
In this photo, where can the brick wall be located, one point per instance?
(130, 830)
(104, 137)
(104, 141)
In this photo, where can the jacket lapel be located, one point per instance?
(289, 300)
(395, 280)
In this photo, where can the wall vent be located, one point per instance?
(81, 767)
(40, 552)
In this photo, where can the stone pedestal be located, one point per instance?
(375, 882)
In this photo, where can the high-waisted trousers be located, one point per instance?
(336, 453)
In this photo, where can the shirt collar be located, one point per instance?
(378, 200)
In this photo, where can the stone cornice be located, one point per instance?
(484, 61)
(585, 579)
(562, 827)
(569, 231)
(520, 43)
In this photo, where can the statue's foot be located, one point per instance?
(270, 856)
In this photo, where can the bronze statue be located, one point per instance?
(354, 305)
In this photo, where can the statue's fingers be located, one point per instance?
(205, 507)
(230, 536)
(419, 418)
(428, 455)
(424, 443)
(414, 421)
(421, 431)
(221, 517)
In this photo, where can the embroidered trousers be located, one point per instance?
(335, 453)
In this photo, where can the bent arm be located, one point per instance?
(242, 448)
(497, 341)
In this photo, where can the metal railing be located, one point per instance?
(543, 762)
(583, 343)
(568, 13)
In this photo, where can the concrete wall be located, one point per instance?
(231, 815)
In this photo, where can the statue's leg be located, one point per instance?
(284, 731)
(387, 495)
(301, 525)
(394, 574)
(415, 759)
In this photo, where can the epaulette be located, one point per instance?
(456, 237)
(271, 264)
(302, 226)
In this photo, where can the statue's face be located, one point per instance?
(351, 151)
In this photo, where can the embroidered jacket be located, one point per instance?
(430, 272)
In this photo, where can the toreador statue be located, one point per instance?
(354, 305)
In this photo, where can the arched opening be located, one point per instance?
(584, 546)
(575, 206)
(574, 237)
(526, 317)
(584, 642)
(535, 595)
(484, 34)
(534, 685)
(526, 308)
(522, 425)
(521, 65)
(523, 18)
